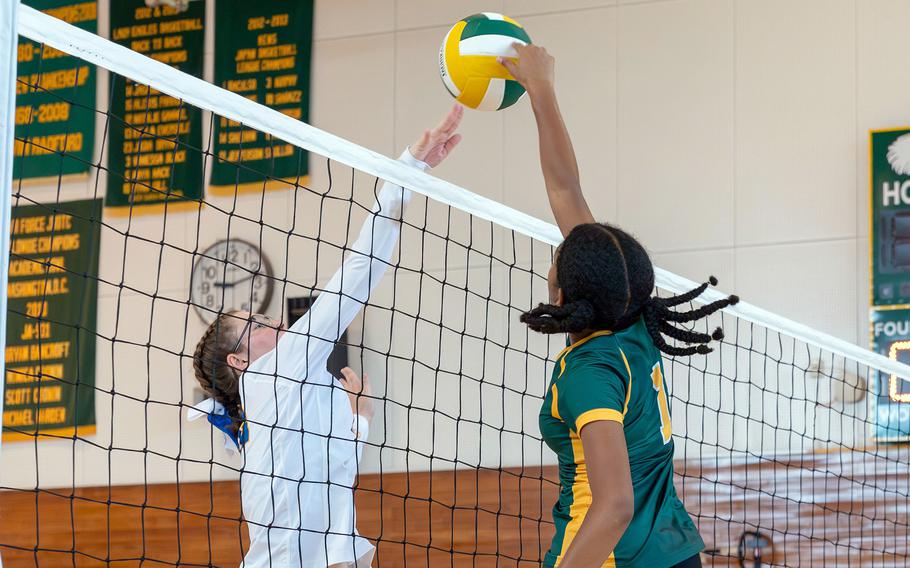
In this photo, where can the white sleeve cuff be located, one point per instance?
(361, 428)
(408, 158)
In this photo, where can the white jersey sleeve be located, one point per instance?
(309, 342)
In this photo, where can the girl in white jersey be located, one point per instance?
(297, 425)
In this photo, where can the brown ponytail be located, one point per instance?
(216, 377)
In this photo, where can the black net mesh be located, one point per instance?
(773, 458)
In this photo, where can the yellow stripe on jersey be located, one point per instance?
(581, 501)
(625, 408)
(554, 409)
(596, 415)
(569, 348)
(581, 488)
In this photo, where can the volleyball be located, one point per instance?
(468, 66)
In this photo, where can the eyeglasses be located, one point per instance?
(256, 321)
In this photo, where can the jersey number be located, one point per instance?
(657, 378)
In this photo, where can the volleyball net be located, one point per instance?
(772, 430)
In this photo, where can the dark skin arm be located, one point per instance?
(604, 441)
(534, 69)
(612, 503)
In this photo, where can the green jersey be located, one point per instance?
(617, 376)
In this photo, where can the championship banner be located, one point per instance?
(890, 397)
(154, 152)
(263, 51)
(55, 95)
(50, 328)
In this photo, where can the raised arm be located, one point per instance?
(534, 69)
(350, 287)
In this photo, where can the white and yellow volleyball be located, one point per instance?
(467, 61)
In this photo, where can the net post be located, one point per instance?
(9, 36)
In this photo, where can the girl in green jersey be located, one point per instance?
(606, 412)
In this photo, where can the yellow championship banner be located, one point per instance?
(263, 51)
(50, 328)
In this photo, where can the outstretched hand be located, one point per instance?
(534, 68)
(359, 392)
(436, 144)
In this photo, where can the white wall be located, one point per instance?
(730, 136)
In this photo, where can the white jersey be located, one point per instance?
(301, 458)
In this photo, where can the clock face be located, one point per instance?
(230, 275)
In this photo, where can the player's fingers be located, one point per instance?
(445, 122)
(349, 377)
(455, 117)
(450, 122)
(511, 67)
(452, 142)
(424, 140)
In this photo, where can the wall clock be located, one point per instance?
(231, 275)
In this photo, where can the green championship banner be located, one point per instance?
(263, 51)
(55, 95)
(154, 154)
(890, 396)
(50, 327)
(889, 241)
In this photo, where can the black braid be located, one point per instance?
(658, 316)
(688, 296)
(686, 335)
(569, 318)
(701, 312)
(653, 324)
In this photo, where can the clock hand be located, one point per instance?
(234, 283)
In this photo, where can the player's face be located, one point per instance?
(257, 335)
(553, 290)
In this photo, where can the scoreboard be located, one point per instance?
(889, 285)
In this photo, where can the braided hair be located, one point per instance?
(216, 377)
(606, 277)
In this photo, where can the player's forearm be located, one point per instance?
(379, 232)
(557, 160)
(599, 533)
(557, 156)
(370, 254)
(386, 214)
(350, 287)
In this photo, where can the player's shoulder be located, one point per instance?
(601, 347)
(596, 356)
(637, 332)
(636, 343)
